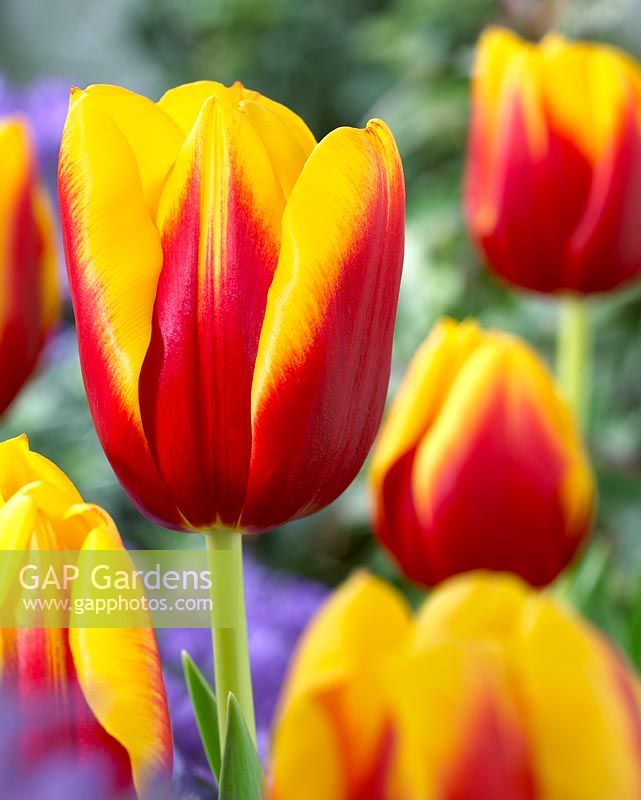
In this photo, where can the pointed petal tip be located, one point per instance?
(376, 124)
(75, 94)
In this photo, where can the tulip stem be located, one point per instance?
(575, 355)
(229, 626)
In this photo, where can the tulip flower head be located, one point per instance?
(333, 736)
(29, 296)
(554, 163)
(480, 464)
(235, 288)
(491, 691)
(104, 685)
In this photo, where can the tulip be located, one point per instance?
(531, 701)
(479, 464)
(491, 691)
(554, 164)
(332, 738)
(104, 685)
(29, 296)
(235, 288)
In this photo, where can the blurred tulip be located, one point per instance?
(29, 296)
(554, 163)
(518, 699)
(235, 288)
(494, 691)
(105, 684)
(58, 775)
(479, 464)
(332, 739)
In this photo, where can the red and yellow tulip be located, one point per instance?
(491, 691)
(480, 464)
(333, 737)
(235, 288)
(29, 295)
(105, 684)
(554, 164)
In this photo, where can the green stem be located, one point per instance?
(229, 626)
(574, 356)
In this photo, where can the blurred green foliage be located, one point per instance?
(338, 62)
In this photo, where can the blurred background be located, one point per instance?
(337, 62)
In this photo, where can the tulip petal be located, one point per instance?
(28, 293)
(294, 124)
(50, 291)
(608, 232)
(323, 361)
(17, 522)
(308, 763)
(17, 173)
(113, 254)
(593, 98)
(423, 392)
(396, 521)
(467, 742)
(220, 219)
(570, 681)
(586, 88)
(496, 49)
(154, 138)
(120, 676)
(335, 680)
(183, 104)
(343, 634)
(20, 466)
(286, 154)
(476, 606)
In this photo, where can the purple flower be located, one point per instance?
(279, 607)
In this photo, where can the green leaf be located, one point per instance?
(203, 701)
(241, 777)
